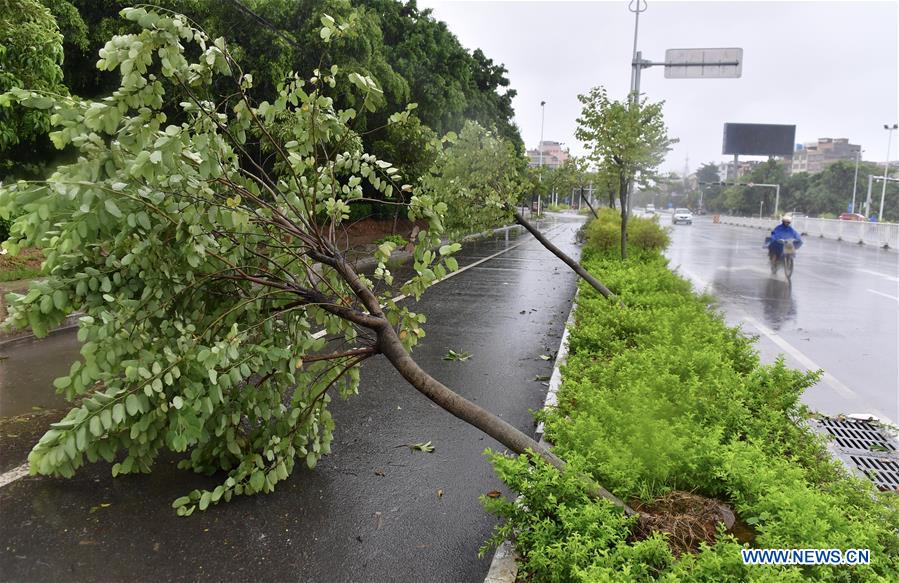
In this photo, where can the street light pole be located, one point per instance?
(886, 168)
(540, 149)
(635, 6)
(855, 180)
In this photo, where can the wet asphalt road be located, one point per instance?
(373, 510)
(840, 313)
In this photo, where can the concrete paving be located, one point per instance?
(371, 511)
(840, 312)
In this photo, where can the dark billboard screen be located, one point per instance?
(758, 139)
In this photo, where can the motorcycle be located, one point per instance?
(786, 256)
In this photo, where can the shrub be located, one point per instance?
(397, 240)
(659, 394)
(643, 235)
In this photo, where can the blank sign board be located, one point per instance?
(703, 63)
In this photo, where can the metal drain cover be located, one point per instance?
(883, 472)
(865, 447)
(858, 434)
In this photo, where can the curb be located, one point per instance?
(504, 566)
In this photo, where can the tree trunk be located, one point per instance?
(574, 265)
(586, 200)
(611, 198)
(392, 348)
(390, 345)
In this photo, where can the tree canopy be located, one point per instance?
(203, 278)
(629, 140)
(31, 55)
(410, 56)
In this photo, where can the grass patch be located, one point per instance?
(660, 396)
(25, 265)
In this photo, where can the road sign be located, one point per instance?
(722, 63)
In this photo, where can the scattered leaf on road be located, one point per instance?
(545, 356)
(460, 356)
(541, 377)
(425, 447)
(494, 494)
(440, 493)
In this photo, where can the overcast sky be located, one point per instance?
(830, 68)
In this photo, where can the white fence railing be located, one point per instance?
(879, 234)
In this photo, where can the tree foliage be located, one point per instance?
(30, 56)
(628, 139)
(827, 193)
(410, 55)
(204, 279)
(479, 177)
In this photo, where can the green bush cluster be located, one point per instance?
(659, 394)
(397, 240)
(643, 235)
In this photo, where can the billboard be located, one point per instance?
(757, 139)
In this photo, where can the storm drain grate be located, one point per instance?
(883, 472)
(864, 447)
(857, 434)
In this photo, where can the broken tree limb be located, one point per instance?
(574, 265)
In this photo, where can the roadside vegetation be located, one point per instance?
(822, 194)
(672, 410)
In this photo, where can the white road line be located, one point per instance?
(13, 475)
(874, 291)
(804, 360)
(877, 273)
(22, 471)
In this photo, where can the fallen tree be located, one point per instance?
(206, 256)
(480, 178)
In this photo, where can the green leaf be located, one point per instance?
(257, 479)
(112, 208)
(118, 412)
(132, 404)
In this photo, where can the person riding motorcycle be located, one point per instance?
(783, 231)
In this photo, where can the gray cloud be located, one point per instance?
(828, 67)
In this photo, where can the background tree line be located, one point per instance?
(823, 194)
(411, 56)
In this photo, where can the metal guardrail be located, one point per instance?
(879, 234)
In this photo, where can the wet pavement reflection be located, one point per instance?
(839, 313)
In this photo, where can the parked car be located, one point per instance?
(853, 217)
(682, 215)
(650, 209)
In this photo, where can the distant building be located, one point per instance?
(744, 167)
(814, 157)
(553, 155)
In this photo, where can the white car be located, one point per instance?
(682, 216)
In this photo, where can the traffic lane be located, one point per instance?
(374, 510)
(828, 314)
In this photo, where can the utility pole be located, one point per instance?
(540, 149)
(855, 180)
(886, 167)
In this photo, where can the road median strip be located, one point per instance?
(672, 410)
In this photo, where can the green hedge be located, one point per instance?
(659, 394)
